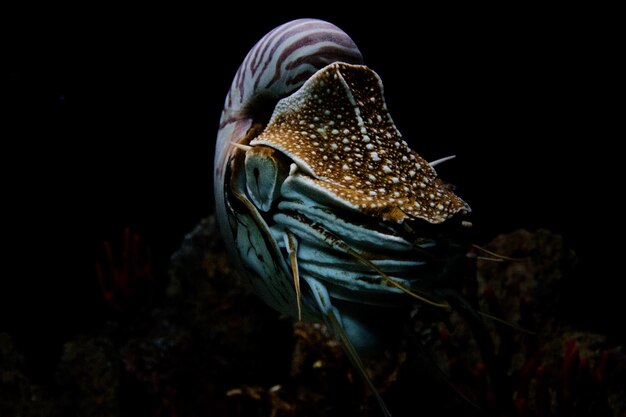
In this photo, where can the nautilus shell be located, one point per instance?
(322, 204)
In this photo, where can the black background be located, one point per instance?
(110, 116)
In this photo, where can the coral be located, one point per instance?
(126, 280)
(528, 360)
(19, 395)
(90, 376)
(205, 345)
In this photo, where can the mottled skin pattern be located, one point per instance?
(314, 183)
(352, 149)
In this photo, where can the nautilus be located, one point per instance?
(322, 204)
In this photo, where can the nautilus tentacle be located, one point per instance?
(322, 204)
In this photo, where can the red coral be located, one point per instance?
(126, 281)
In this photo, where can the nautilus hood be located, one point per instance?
(337, 129)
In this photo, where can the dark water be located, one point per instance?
(112, 118)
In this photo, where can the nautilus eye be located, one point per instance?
(323, 206)
(266, 169)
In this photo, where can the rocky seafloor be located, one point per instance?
(207, 346)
